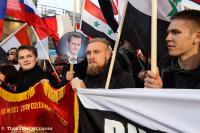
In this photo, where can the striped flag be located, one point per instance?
(137, 24)
(20, 38)
(93, 22)
(26, 11)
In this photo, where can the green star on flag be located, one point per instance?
(110, 32)
(96, 24)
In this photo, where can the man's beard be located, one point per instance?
(93, 69)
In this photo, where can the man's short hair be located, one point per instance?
(29, 48)
(192, 15)
(75, 35)
(103, 40)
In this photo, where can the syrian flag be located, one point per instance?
(138, 110)
(20, 38)
(93, 22)
(109, 14)
(137, 24)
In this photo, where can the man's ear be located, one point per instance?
(197, 37)
(108, 55)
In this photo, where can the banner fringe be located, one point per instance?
(52, 94)
(17, 97)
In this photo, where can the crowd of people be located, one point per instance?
(180, 70)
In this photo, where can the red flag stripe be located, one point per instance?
(22, 36)
(94, 10)
(114, 7)
(196, 1)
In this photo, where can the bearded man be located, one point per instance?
(98, 56)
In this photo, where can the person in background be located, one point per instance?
(3, 57)
(8, 77)
(127, 56)
(183, 40)
(59, 65)
(30, 73)
(11, 55)
(98, 59)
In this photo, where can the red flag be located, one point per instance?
(39, 109)
(22, 36)
(26, 11)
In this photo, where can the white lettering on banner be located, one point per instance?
(112, 126)
(131, 128)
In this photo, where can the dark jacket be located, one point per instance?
(119, 79)
(175, 77)
(129, 62)
(31, 77)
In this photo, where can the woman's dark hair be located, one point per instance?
(10, 73)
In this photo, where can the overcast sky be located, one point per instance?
(64, 4)
(68, 4)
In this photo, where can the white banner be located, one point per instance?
(168, 110)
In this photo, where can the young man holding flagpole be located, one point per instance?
(183, 40)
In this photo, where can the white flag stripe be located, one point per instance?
(64, 24)
(32, 5)
(12, 42)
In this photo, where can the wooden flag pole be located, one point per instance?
(11, 35)
(74, 25)
(40, 43)
(74, 16)
(154, 36)
(83, 6)
(115, 48)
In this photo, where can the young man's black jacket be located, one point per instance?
(31, 77)
(175, 77)
(120, 79)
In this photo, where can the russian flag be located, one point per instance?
(2, 14)
(26, 11)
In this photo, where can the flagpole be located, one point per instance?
(40, 43)
(116, 47)
(11, 35)
(154, 36)
(74, 25)
(74, 16)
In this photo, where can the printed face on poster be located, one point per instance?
(72, 47)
